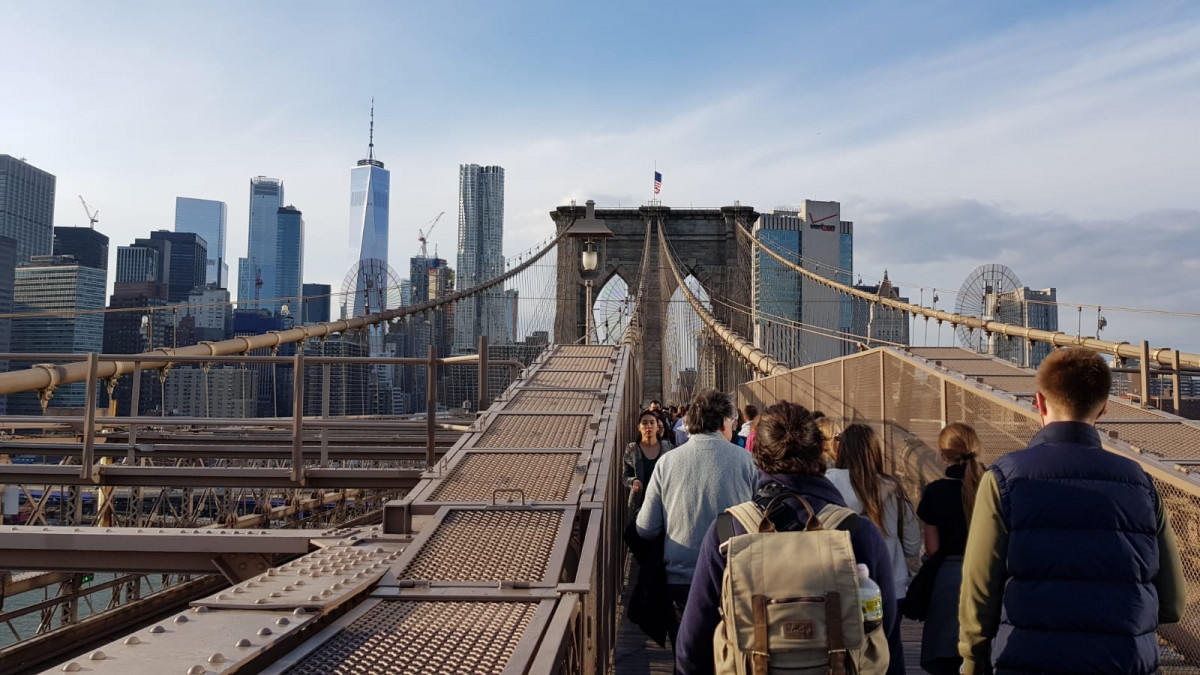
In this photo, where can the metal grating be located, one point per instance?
(1001, 429)
(519, 547)
(934, 353)
(983, 366)
(554, 401)
(567, 379)
(585, 350)
(1183, 512)
(578, 363)
(541, 476)
(1124, 411)
(424, 637)
(1021, 385)
(827, 381)
(863, 389)
(535, 431)
(1169, 440)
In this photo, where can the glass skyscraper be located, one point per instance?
(256, 272)
(370, 187)
(480, 256)
(289, 259)
(206, 218)
(52, 290)
(26, 207)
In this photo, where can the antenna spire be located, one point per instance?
(371, 143)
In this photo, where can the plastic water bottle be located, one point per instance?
(871, 599)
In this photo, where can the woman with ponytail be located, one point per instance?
(945, 509)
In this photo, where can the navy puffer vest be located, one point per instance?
(1082, 558)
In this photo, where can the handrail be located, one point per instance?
(43, 376)
(761, 361)
(1124, 350)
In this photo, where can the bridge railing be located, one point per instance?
(910, 398)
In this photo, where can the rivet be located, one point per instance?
(222, 596)
(200, 610)
(271, 572)
(158, 629)
(300, 582)
(299, 611)
(251, 584)
(238, 590)
(264, 631)
(72, 667)
(314, 598)
(261, 601)
(217, 658)
(97, 656)
(242, 643)
(276, 594)
(282, 621)
(132, 640)
(326, 592)
(197, 670)
(182, 618)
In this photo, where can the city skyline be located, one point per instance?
(952, 136)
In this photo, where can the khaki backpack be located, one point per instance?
(789, 600)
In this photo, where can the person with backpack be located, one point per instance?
(945, 509)
(776, 582)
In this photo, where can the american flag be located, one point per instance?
(657, 182)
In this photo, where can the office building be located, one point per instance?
(1024, 307)
(144, 260)
(256, 272)
(873, 325)
(223, 392)
(316, 303)
(135, 332)
(289, 258)
(8, 270)
(845, 275)
(85, 244)
(349, 383)
(207, 317)
(370, 187)
(186, 269)
(62, 301)
(26, 207)
(429, 279)
(796, 319)
(274, 379)
(480, 255)
(206, 218)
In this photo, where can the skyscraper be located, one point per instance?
(480, 255)
(794, 318)
(26, 207)
(206, 218)
(8, 268)
(1024, 307)
(370, 186)
(145, 260)
(188, 268)
(62, 299)
(875, 325)
(88, 246)
(256, 272)
(316, 303)
(289, 258)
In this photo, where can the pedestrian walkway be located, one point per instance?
(638, 655)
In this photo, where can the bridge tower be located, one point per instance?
(703, 240)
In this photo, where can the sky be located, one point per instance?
(1059, 139)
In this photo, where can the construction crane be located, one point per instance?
(93, 216)
(422, 236)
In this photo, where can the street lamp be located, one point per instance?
(589, 229)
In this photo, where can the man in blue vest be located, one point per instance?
(1070, 564)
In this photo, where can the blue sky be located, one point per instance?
(1057, 138)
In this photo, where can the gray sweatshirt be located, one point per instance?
(689, 487)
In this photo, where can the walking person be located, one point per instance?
(692, 484)
(641, 455)
(868, 490)
(945, 510)
(1070, 564)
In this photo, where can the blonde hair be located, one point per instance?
(959, 445)
(831, 429)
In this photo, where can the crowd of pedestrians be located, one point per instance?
(777, 541)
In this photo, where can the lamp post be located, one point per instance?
(589, 229)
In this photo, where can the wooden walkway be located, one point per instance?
(637, 654)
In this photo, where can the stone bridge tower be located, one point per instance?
(704, 241)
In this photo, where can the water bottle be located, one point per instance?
(871, 599)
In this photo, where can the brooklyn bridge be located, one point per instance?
(485, 541)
